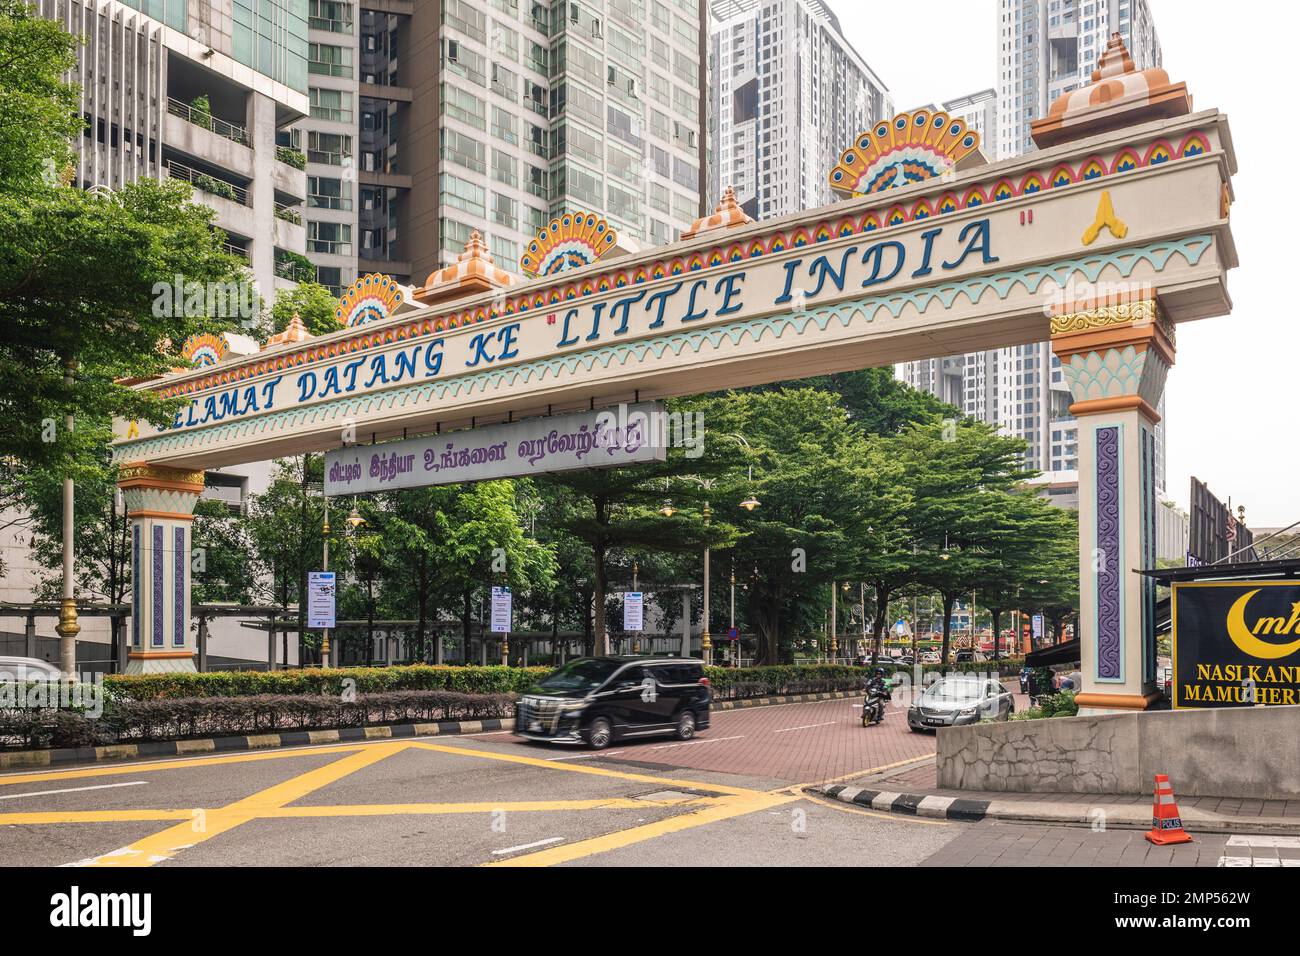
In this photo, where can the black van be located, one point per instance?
(596, 700)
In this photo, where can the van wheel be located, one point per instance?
(600, 733)
(686, 725)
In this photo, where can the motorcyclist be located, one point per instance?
(877, 692)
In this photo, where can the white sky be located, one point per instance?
(1231, 400)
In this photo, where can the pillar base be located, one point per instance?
(160, 662)
(1091, 704)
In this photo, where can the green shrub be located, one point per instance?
(291, 157)
(185, 717)
(38, 729)
(315, 680)
(1052, 705)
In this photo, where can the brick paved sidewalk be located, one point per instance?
(1125, 811)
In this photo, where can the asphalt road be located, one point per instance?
(732, 797)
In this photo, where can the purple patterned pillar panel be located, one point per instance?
(179, 584)
(1110, 611)
(157, 640)
(137, 579)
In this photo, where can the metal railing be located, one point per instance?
(209, 184)
(288, 213)
(230, 131)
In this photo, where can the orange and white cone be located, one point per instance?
(1166, 824)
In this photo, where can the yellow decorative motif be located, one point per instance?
(143, 472)
(1107, 219)
(133, 429)
(1138, 312)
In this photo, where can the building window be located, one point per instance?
(327, 60)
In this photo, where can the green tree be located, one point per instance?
(618, 509)
(957, 473)
(38, 110)
(316, 305)
(825, 496)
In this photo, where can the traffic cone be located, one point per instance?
(1166, 824)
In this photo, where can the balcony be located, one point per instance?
(208, 184)
(206, 138)
(230, 131)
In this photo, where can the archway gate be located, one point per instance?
(1105, 239)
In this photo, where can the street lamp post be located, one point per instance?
(325, 566)
(68, 628)
(834, 649)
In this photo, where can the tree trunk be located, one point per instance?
(601, 639)
(421, 605)
(769, 626)
(948, 601)
(370, 618)
(878, 622)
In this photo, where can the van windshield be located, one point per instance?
(583, 675)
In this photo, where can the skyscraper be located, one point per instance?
(789, 94)
(1046, 48)
(197, 90)
(431, 120)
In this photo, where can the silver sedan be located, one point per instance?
(960, 699)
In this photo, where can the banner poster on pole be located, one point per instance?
(501, 610)
(633, 610)
(320, 599)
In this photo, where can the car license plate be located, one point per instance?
(535, 725)
(934, 721)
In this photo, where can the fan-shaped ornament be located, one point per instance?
(571, 241)
(910, 148)
(372, 298)
(205, 349)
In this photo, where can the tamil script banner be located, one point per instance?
(1236, 643)
(625, 435)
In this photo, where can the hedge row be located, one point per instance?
(728, 683)
(180, 718)
(333, 682)
(37, 729)
(731, 683)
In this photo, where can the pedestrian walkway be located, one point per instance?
(915, 786)
(1038, 846)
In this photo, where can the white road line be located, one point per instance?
(46, 793)
(1266, 842)
(690, 743)
(786, 730)
(1256, 861)
(527, 846)
(600, 753)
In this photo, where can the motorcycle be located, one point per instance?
(873, 706)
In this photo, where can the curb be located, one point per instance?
(1054, 814)
(28, 759)
(784, 699)
(911, 804)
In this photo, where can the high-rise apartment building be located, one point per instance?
(1050, 47)
(789, 94)
(197, 90)
(1046, 48)
(430, 120)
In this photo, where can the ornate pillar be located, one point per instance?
(1114, 359)
(160, 506)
